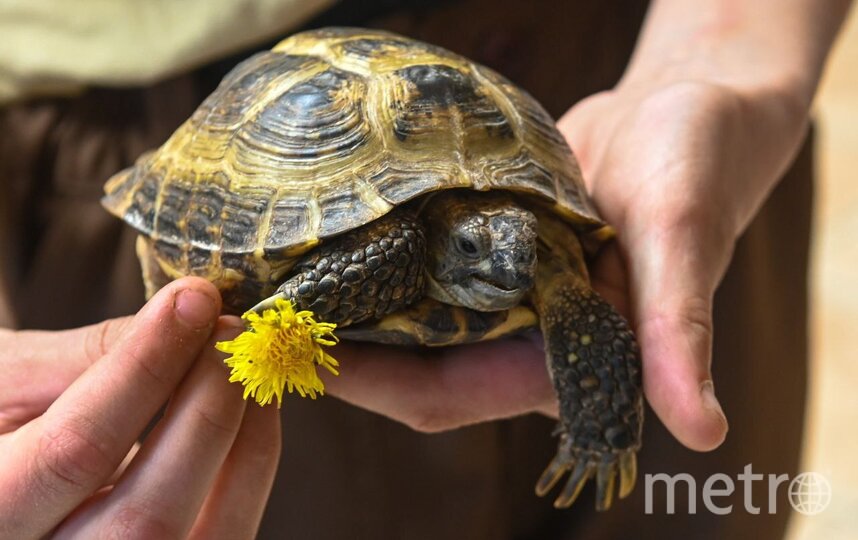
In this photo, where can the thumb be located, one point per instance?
(675, 271)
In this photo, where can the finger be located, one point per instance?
(40, 366)
(675, 276)
(581, 125)
(126, 461)
(56, 461)
(163, 489)
(233, 508)
(447, 387)
(609, 278)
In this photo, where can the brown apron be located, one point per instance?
(347, 473)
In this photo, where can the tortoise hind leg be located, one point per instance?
(367, 273)
(594, 363)
(154, 277)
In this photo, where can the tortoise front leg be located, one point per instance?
(594, 363)
(367, 273)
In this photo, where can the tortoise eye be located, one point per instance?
(467, 247)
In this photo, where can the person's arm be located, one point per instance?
(765, 45)
(681, 155)
(771, 52)
(678, 157)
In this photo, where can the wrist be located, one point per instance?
(784, 92)
(754, 48)
(774, 100)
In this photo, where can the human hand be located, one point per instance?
(73, 404)
(679, 169)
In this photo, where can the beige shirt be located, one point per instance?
(54, 47)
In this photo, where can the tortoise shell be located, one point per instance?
(330, 130)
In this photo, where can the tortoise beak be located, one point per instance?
(508, 273)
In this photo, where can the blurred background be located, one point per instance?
(831, 443)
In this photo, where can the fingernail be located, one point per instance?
(707, 394)
(194, 308)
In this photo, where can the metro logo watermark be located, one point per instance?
(808, 493)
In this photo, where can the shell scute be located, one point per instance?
(444, 100)
(314, 121)
(173, 211)
(292, 222)
(328, 131)
(227, 106)
(240, 220)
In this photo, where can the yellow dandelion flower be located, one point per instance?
(280, 349)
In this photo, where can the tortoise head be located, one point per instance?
(482, 250)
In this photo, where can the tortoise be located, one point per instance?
(410, 196)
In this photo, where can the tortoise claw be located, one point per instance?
(628, 473)
(580, 474)
(605, 468)
(605, 478)
(550, 476)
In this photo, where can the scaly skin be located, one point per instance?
(594, 362)
(376, 274)
(367, 273)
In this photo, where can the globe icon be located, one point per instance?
(809, 493)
